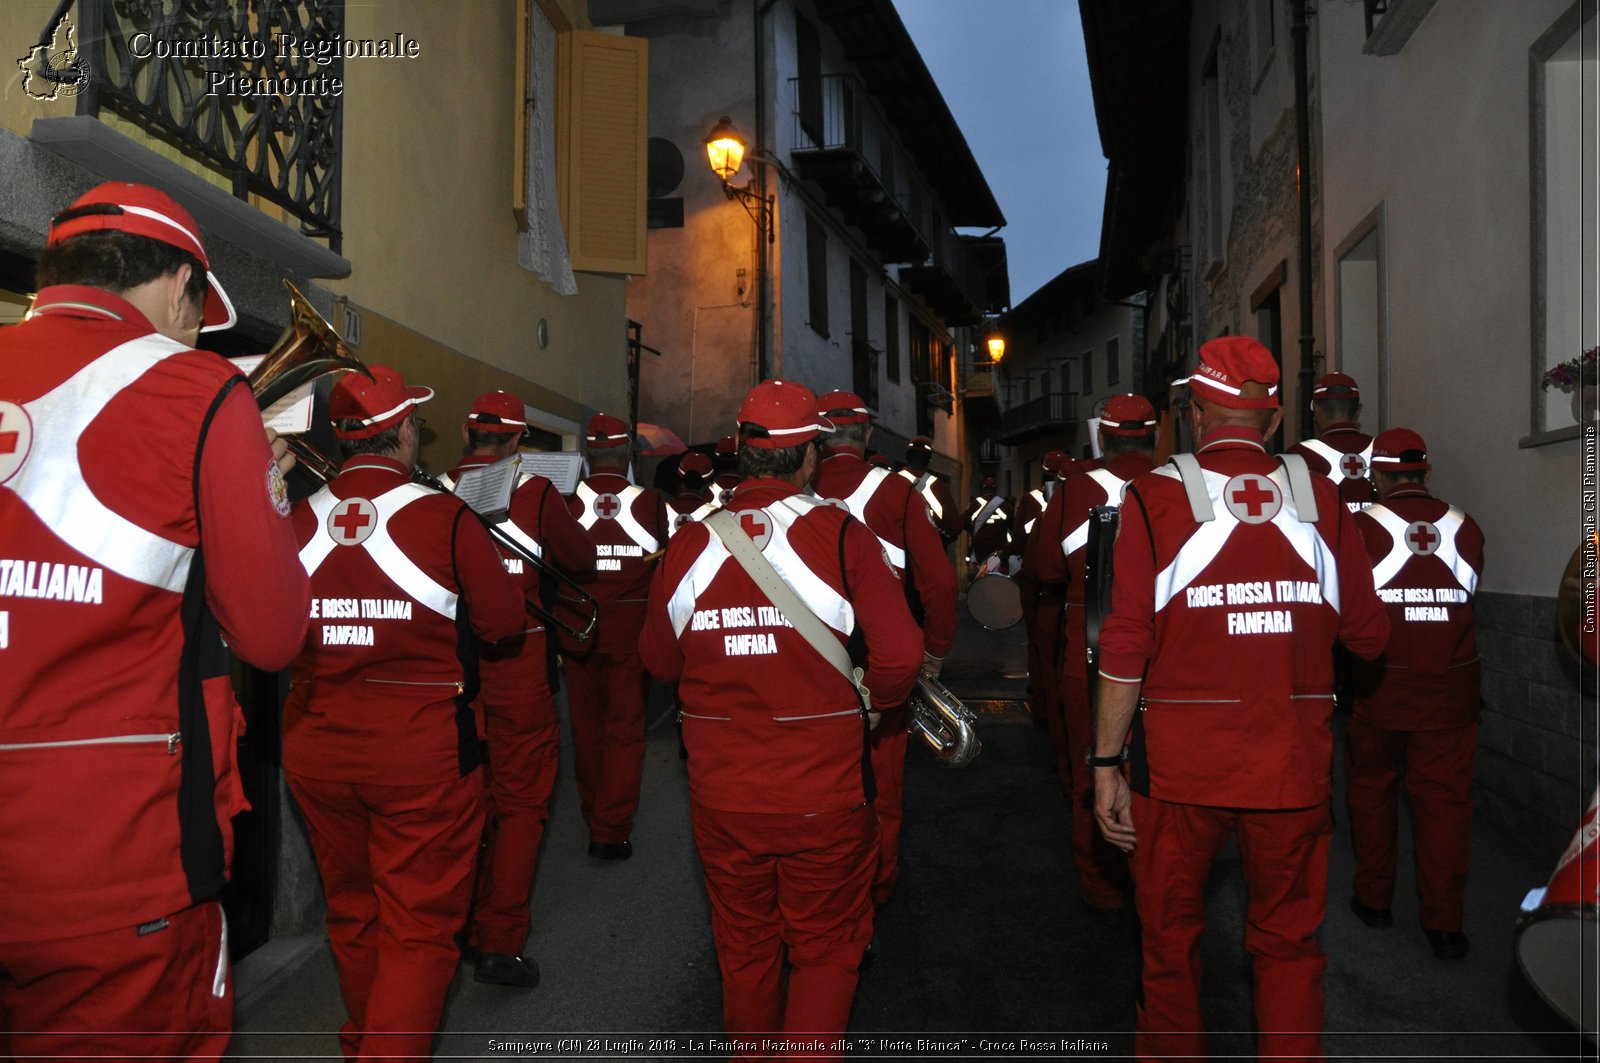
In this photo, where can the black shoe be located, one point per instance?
(520, 972)
(610, 850)
(1447, 944)
(469, 951)
(1377, 918)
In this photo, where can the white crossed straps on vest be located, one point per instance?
(833, 608)
(1113, 485)
(50, 481)
(380, 545)
(1335, 457)
(1042, 497)
(1384, 572)
(623, 516)
(856, 503)
(920, 485)
(1203, 547)
(699, 513)
(989, 512)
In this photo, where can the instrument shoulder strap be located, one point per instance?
(1300, 489)
(1297, 473)
(725, 526)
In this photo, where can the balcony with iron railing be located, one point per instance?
(845, 143)
(954, 281)
(257, 117)
(1045, 415)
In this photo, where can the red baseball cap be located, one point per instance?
(727, 445)
(1053, 461)
(378, 403)
(920, 443)
(843, 407)
(1128, 415)
(694, 462)
(989, 484)
(879, 460)
(1336, 386)
(498, 411)
(1237, 372)
(607, 431)
(1399, 450)
(139, 210)
(786, 410)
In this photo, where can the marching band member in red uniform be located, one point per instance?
(988, 522)
(896, 514)
(381, 737)
(1341, 451)
(779, 788)
(519, 709)
(726, 479)
(1041, 608)
(1416, 707)
(933, 489)
(1127, 439)
(607, 685)
(694, 499)
(1047, 645)
(118, 724)
(1227, 600)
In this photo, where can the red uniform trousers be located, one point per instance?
(888, 752)
(1436, 767)
(524, 752)
(94, 993)
(396, 864)
(1044, 676)
(1285, 857)
(795, 881)
(1102, 868)
(606, 695)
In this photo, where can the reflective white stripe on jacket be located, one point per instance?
(624, 515)
(392, 560)
(1113, 486)
(1333, 456)
(1384, 572)
(857, 505)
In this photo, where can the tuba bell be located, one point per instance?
(309, 348)
(943, 723)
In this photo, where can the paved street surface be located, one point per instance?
(987, 938)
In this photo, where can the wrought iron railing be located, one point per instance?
(1055, 410)
(192, 73)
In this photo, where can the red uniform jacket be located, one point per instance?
(941, 502)
(689, 506)
(135, 487)
(993, 536)
(1235, 619)
(1427, 557)
(400, 576)
(628, 524)
(1343, 454)
(1061, 559)
(769, 724)
(896, 514)
(1030, 507)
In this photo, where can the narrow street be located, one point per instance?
(986, 938)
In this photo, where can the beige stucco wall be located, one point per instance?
(429, 232)
(1450, 169)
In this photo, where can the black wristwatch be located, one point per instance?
(1105, 762)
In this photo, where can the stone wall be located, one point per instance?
(1536, 751)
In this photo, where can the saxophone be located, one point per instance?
(941, 721)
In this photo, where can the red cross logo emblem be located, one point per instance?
(16, 438)
(680, 520)
(1422, 538)
(836, 502)
(608, 506)
(756, 524)
(1354, 466)
(725, 495)
(352, 521)
(1252, 498)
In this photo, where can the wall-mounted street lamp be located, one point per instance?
(997, 348)
(725, 150)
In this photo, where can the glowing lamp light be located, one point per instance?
(997, 348)
(725, 149)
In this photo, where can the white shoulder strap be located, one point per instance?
(1194, 485)
(1299, 474)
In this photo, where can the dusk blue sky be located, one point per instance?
(1014, 75)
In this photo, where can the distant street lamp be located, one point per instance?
(997, 348)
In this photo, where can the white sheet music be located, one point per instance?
(564, 468)
(291, 414)
(487, 489)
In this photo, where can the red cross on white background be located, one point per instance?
(352, 521)
(1252, 496)
(8, 440)
(1353, 466)
(608, 506)
(757, 525)
(1421, 538)
(16, 439)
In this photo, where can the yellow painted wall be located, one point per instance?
(428, 157)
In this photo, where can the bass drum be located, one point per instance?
(995, 601)
(1559, 932)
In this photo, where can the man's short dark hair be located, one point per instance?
(1342, 408)
(478, 439)
(770, 462)
(917, 459)
(1114, 445)
(853, 434)
(117, 262)
(1406, 476)
(385, 442)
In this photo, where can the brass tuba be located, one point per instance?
(309, 348)
(941, 721)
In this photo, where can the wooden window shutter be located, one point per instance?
(602, 154)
